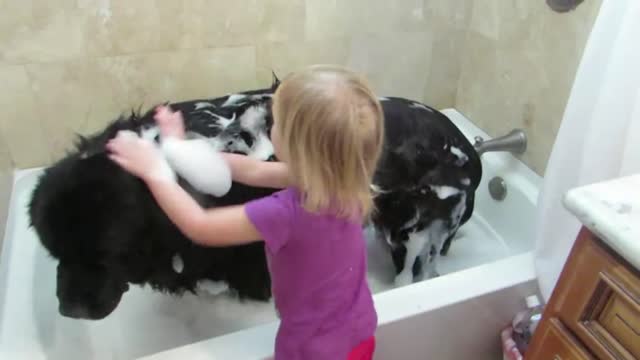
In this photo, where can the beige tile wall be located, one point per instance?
(70, 66)
(518, 66)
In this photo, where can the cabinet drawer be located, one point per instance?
(559, 344)
(615, 321)
(595, 307)
(621, 318)
(598, 300)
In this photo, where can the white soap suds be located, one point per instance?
(421, 106)
(211, 287)
(462, 157)
(253, 118)
(262, 149)
(444, 191)
(377, 189)
(177, 264)
(150, 133)
(223, 122)
(233, 99)
(203, 105)
(199, 164)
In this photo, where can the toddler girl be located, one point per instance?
(328, 133)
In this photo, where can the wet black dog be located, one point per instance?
(425, 185)
(106, 231)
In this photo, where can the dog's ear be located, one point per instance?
(81, 143)
(85, 148)
(275, 82)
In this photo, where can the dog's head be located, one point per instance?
(85, 211)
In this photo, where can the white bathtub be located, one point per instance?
(487, 273)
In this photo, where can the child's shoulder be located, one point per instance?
(287, 193)
(290, 195)
(284, 200)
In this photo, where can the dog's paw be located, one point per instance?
(403, 279)
(432, 275)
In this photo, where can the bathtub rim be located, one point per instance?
(392, 306)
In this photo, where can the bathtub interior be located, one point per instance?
(147, 322)
(513, 219)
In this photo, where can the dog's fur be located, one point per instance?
(106, 231)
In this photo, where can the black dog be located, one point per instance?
(425, 184)
(105, 229)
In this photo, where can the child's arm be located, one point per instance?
(222, 226)
(254, 172)
(216, 227)
(243, 169)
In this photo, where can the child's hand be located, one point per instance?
(139, 157)
(171, 123)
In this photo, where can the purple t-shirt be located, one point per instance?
(318, 269)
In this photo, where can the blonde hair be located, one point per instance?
(330, 128)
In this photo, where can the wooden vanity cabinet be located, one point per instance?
(594, 310)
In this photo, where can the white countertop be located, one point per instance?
(611, 210)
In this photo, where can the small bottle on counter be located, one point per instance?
(525, 322)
